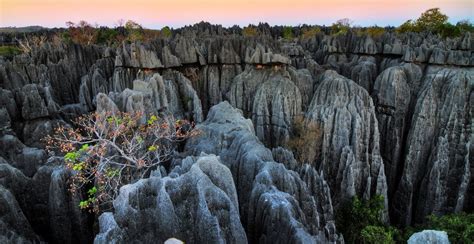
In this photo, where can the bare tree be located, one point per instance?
(27, 44)
(107, 151)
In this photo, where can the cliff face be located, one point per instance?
(395, 114)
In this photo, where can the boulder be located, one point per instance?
(429, 236)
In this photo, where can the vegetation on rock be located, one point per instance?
(310, 32)
(9, 51)
(249, 31)
(107, 151)
(373, 31)
(341, 26)
(306, 140)
(360, 221)
(458, 226)
(288, 33)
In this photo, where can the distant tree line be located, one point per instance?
(17, 40)
(434, 21)
(86, 34)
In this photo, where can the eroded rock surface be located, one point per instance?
(350, 150)
(276, 204)
(394, 113)
(196, 203)
(436, 175)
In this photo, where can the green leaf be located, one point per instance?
(79, 166)
(84, 147)
(152, 148)
(71, 156)
(92, 191)
(112, 173)
(84, 204)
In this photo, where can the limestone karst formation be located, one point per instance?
(395, 114)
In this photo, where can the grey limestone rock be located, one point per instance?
(276, 205)
(67, 221)
(429, 236)
(137, 55)
(276, 104)
(394, 96)
(436, 176)
(270, 98)
(349, 149)
(14, 227)
(98, 80)
(26, 159)
(197, 206)
(37, 102)
(364, 74)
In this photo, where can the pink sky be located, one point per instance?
(176, 13)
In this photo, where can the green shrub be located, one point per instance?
(9, 51)
(341, 26)
(374, 234)
(356, 215)
(465, 26)
(165, 32)
(287, 33)
(407, 26)
(107, 36)
(448, 30)
(459, 226)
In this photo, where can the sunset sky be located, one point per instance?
(177, 13)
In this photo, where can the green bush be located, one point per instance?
(375, 234)
(9, 51)
(448, 30)
(341, 26)
(359, 221)
(165, 32)
(407, 26)
(357, 215)
(465, 26)
(459, 226)
(106, 35)
(287, 33)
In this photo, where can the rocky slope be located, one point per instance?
(394, 111)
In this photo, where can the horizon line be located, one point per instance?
(97, 25)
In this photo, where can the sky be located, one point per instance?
(177, 13)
